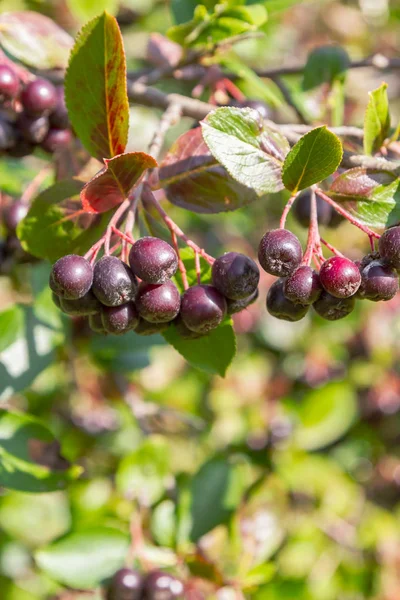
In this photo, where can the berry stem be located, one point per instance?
(112, 224)
(198, 268)
(34, 186)
(313, 239)
(286, 210)
(334, 250)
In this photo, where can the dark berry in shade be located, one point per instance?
(389, 246)
(96, 323)
(280, 307)
(302, 209)
(331, 308)
(13, 214)
(162, 586)
(236, 306)
(280, 252)
(336, 218)
(158, 303)
(235, 275)
(379, 281)
(9, 83)
(184, 332)
(21, 148)
(153, 260)
(145, 328)
(57, 139)
(39, 97)
(83, 307)
(120, 319)
(71, 277)
(56, 299)
(202, 308)
(303, 286)
(8, 137)
(126, 584)
(32, 129)
(340, 276)
(59, 117)
(113, 282)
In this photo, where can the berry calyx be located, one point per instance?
(282, 308)
(302, 209)
(332, 308)
(340, 277)
(85, 306)
(235, 275)
(126, 584)
(120, 319)
(113, 282)
(303, 286)
(57, 139)
(13, 214)
(236, 306)
(280, 252)
(379, 281)
(153, 260)
(162, 586)
(9, 83)
(158, 303)
(71, 277)
(202, 308)
(39, 97)
(389, 246)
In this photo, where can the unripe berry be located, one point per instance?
(126, 584)
(379, 281)
(282, 308)
(340, 277)
(280, 252)
(389, 246)
(153, 260)
(9, 83)
(236, 306)
(113, 282)
(202, 308)
(235, 275)
(14, 214)
(331, 308)
(39, 97)
(120, 319)
(158, 303)
(71, 277)
(303, 286)
(159, 585)
(302, 209)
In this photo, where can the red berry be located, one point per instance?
(340, 277)
(280, 252)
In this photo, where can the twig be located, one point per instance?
(170, 117)
(313, 232)
(331, 248)
(286, 211)
(34, 186)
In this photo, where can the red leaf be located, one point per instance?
(112, 184)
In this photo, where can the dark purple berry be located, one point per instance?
(302, 209)
(202, 308)
(162, 586)
(158, 303)
(21, 148)
(113, 282)
(379, 281)
(153, 260)
(236, 306)
(83, 307)
(282, 308)
(96, 323)
(57, 139)
(9, 83)
(39, 97)
(13, 214)
(32, 129)
(303, 286)
(59, 117)
(184, 332)
(280, 252)
(56, 299)
(146, 328)
(235, 275)
(331, 308)
(340, 277)
(8, 137)
(71, 277)
(335, 220)
(120, 319)
(126, 584)
(389, 246)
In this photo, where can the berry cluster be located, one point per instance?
(32, 114)
(332, 292)
(129, 584)
(111, 295)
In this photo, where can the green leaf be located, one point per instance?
(325, 65)
(124, 353)
(377, 120)
(95, 88)
(35, 40)
(372, 196)
(252, 153)
(83, 559)
(29, 459)
(48, 231)
(11, 326)
(315, 156)
(84, 10)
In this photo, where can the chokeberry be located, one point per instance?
(32, 129)
(340, 276)
(302, 209)
(71, 277)
(9, 83)
(126, 584)
(57, 139)
(236, 306)
(162, 586)
(202, 308)
(83, 307)
(158, 303)
(39, 97)
(282, 308)
(8, 137)
(146, 328)
(389, 246)
(332, 308)
(13, 214)
(120, 319)
(379, 281)
(303, 286)
(235, 275)
(96, 323)
(59, 116)
(153, 260)
(113, 282)
(280, 252)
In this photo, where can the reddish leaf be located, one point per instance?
(194, 180)
(112, 184)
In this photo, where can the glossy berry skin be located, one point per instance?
(39, 97)
(235, 275)
(162, 586)
(153, 260)
(340, 277)
(32, 129)
(202, 308)
(145, 328)
(236, 306)
(96, 324)
(331, 308)
(120, 319)
(280, 307)
(126, 584)
(379, 281)
(113, 282)
(302, 209)
(389, 246)
(9, 83)
(8, 137)
(280, 252)
(71, 277)
(13, 214)
(303, 286)
(59, 116)
(83, 307)
(158, 303)
(57, 139)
